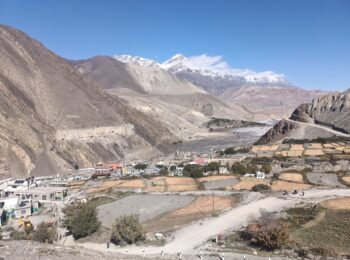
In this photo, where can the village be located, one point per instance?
(184, 187)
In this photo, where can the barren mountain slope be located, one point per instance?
(325, 116)
(179, 104)
(51, 117)
(269, 101)
(331, 110)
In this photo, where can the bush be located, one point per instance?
(140, 166)
(261, 187)
(266, 168)
(81, 220)
(44, 233)
(19, 235)
(193, 170)
(211, 167)
(239, 168)
(272, 236)
(252, 168)
(172, 168)
(127, 230)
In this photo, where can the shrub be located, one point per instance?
(261, 187)
(193, 170)
(172, 168)
(44, 233)
(239, 168)
(252, 168)
(19, 235)
(127, 230)
(140, 166)
(266, 168)
(81, 220)
(272, 236)
(230, 150)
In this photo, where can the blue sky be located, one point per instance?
(307, 41)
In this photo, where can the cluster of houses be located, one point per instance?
(23, 197)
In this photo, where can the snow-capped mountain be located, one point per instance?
(209, 66)
(136, 60)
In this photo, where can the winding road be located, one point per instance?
(189, 238)
(330, 130)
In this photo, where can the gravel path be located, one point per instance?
(145, 206)
(327, 179)
(190, 237)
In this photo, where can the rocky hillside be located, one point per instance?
(262, 95)
(159, 94)
(51, 117)
(331, 110)
(315, 119)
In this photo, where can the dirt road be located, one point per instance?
(335, 132)
(187, 239)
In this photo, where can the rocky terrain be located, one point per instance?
(159, 94)
(331, 110)
(263, 95)
(325, 116)
(51, 117)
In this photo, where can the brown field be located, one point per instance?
(200, 208)
(329, 145)
(264, 148)
(346, 150)
(247, 183)
(292, 177)
(289, 186)
(313, 152)
(179, 181)
(346, 179)
(133, 184)
(292, 153)
(337, 204)
(315, 146)
(216, 178)
(76, 183)
(296, 147)
(158, 188)
(182, 187)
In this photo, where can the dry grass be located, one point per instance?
(289, 186)
(200, 208)
(216, 178)
(337, 204)
(315, 146)
(132, 184)
(293, 177)
(313, 152)
(179, 181)
(264, 148)
(296, 147)
(182, 187)
(293, 153)
(247, 183)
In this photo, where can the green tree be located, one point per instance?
(172, 168)
(261, 187)
(239, 168)
(81, 220)
(230, 150)
(127, 230)
(252, 168)
(44, 233)
(266, 168)
(193, 171)
(140, 166)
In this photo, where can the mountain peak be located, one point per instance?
(136, 60)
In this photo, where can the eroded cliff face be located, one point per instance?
(52, 118)
(278, 132)
(330, 110)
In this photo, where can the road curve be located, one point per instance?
(188, 238)
(338, 133)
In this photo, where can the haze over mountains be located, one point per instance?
(264, 95)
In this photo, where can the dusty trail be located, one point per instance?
(187, 239)
(321, 127)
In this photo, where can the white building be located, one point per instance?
(260, 175)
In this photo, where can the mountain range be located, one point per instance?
(57, 114)
(263, 95)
